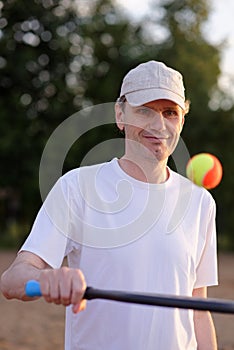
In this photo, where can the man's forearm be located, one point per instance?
(14, 278)
(205, 331)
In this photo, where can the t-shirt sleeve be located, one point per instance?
(207, 271)
(49, 236)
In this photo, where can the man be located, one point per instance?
(132, 224)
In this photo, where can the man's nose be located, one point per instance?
(158, 121)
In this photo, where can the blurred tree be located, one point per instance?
(34, 97)
(57, 57)
(221, 143)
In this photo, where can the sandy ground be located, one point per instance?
(40, 326)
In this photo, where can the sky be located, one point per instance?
(220, 26)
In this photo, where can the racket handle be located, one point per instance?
(32, 289)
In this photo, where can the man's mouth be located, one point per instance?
(155, 138)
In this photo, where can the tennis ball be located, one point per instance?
(205, 170)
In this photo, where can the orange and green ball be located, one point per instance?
(205, 170)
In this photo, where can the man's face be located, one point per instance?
(151, 130)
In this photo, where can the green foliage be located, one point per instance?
(58, 57)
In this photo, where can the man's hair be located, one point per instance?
(121, 102)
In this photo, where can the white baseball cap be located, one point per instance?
(153, 81)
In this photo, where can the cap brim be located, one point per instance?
(139, 98)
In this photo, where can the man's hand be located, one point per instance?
(64, 286)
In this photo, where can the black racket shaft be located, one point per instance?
(210, 304)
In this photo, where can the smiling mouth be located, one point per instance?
(155, 139)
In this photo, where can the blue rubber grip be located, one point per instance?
(32, 289)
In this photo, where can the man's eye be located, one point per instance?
(170, 114)
(145, 111)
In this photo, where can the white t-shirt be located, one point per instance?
(129, 235)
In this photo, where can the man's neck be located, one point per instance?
(145, 170)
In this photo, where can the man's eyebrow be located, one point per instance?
(173, 108)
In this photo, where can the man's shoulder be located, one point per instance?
(188, 186)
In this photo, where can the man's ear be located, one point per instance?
(119, 117)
